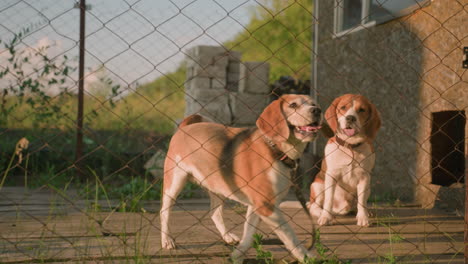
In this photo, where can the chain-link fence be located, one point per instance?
(92, 92)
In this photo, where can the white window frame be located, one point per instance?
(365, 23)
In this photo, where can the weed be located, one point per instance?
(323, 258)
(20, 146)
(263, 255)
(393, 238)
(388, 259)
(396, 238)
(322, 253)
(321, 249)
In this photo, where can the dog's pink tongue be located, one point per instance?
(350, 132)
(309, 128)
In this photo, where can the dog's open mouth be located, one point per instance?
(349, 131)
(308, 129)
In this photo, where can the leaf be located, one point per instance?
(14, 40)
(52, 81)
(46, 70)
(31, 102)
(27, 83)
(115, 89)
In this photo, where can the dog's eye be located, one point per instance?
(361, 110)
(293, 105)
(343, 107)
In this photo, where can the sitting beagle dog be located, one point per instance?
(344, 179)
(248, 165)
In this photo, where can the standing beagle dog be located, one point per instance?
(349, 158)
(248, 165)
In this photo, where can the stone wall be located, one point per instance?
(409, 67)
(222, 87)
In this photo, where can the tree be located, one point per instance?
(280, 32)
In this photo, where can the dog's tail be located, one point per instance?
(193, 119)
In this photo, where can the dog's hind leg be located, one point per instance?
(217, 204)
(250, 226)
(275, 219)
(174, 181)
(316, 198)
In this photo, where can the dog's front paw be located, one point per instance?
(168, 243)
(325, 218)
(362, 219)
(231, 239)
(314, 210)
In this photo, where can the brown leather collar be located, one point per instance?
(280, 155)
(343, 143)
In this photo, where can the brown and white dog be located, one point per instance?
(344, 179)
(248, 165)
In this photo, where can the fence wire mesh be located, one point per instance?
(149, 64)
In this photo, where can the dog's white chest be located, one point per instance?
(340, 156)
(349, 164)
(280, 177)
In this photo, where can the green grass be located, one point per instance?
(155, 107)
(130, 191)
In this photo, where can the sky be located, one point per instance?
(136, 40)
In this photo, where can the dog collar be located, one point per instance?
(290, 163)
(343, 143)
(280, 155)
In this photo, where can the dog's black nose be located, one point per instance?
(316, 111)
(351, 118)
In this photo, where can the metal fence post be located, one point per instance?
(79, 119)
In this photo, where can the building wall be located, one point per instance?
(409, 67)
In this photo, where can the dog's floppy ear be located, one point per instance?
(272, 122)
(330, 115)
(373, 123)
